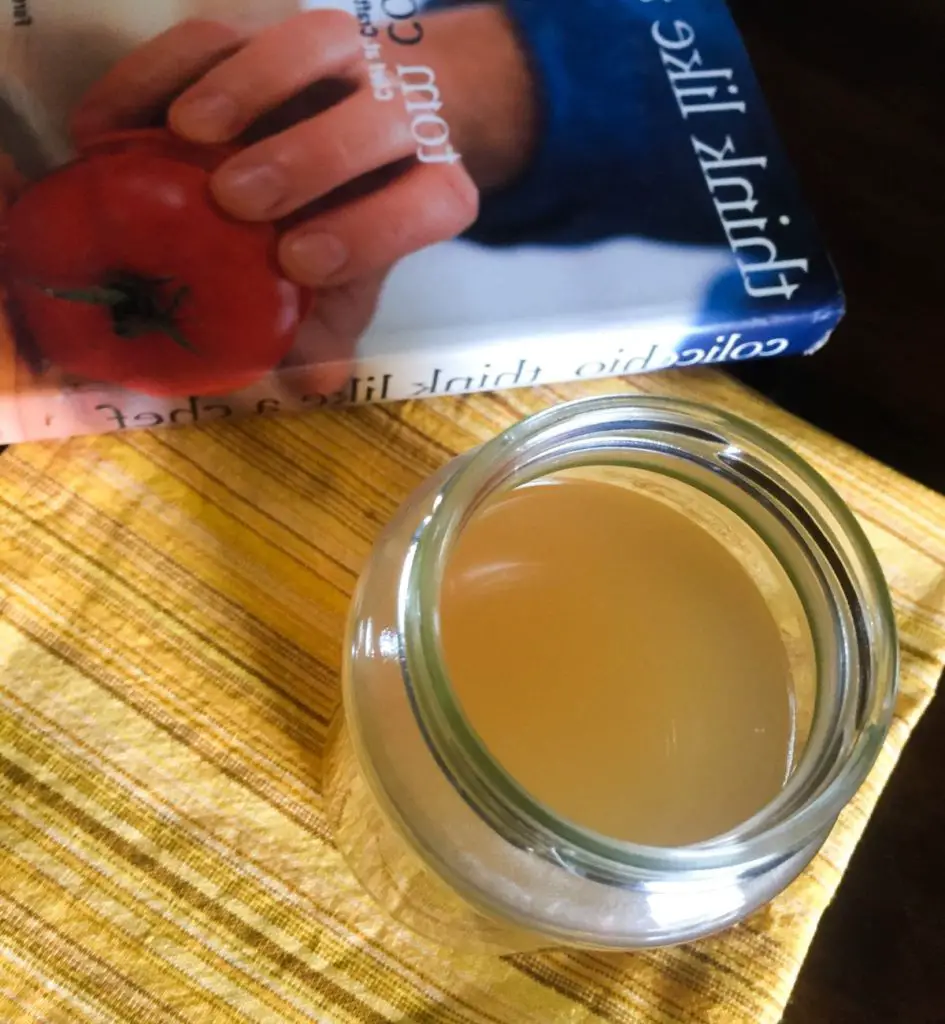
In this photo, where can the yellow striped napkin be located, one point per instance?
(172, 612)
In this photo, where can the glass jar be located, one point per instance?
(451, 846)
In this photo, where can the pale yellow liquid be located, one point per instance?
(618, 662)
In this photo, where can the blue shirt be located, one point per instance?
(608, 160)
(615, 157)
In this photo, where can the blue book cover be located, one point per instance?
(226, 207)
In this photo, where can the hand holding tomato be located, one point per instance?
(217, 82)
(340, 179)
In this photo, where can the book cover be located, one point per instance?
(214, 208)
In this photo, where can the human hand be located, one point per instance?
(320, 361)
(215, 81)
(318, 157)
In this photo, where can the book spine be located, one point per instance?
(424, 372)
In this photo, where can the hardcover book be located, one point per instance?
(214, 208)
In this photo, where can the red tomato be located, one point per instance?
(126, 271)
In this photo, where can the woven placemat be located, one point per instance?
(170, 630)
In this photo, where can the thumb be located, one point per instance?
(322, 356)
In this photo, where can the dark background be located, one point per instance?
(858, 92)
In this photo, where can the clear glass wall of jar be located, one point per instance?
(448, 844)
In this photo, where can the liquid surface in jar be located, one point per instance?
(618, 662)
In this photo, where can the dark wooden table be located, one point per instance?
(858, 90)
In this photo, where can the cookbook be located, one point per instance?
(220, 208)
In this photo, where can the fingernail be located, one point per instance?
(249, 191)
(205, 118)
(316, 256)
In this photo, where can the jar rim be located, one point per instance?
(479, 778)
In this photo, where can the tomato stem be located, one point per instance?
(138, 305)
(94, 296)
